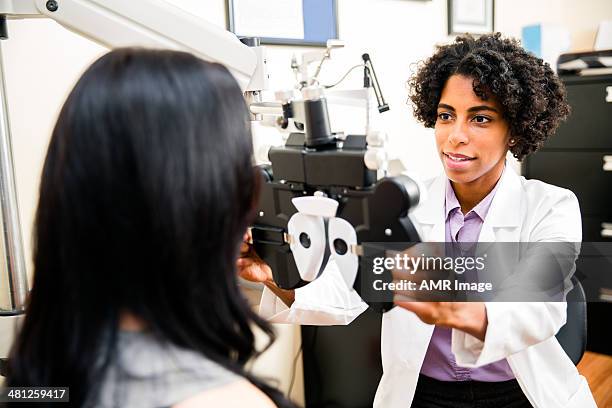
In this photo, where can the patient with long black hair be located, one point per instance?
(146, 191)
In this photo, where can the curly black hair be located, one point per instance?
(532, 96)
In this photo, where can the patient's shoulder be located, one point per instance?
(236, 394)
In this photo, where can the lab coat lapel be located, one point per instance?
(505, 208)
(503, 218)
(430, 214)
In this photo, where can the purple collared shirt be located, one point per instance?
(439, 361)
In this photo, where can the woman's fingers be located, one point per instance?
(439, 313)
(253, 269)
(426, 311)
(245, 246)
(423, 285)
(251, 272)
(244, 249)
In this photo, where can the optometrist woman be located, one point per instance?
(484, 97)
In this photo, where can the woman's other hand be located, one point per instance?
(250, 266)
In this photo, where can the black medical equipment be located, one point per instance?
(318, 162)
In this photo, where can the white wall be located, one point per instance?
(42, 62)
(579, 17)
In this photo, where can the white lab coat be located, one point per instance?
(523, 333)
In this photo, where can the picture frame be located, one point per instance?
(471, 16)
(286, 22)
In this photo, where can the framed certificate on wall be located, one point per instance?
(471, 16)
(289, 22)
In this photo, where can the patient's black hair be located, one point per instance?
(532, 96)
(147, 189)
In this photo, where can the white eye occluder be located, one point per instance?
(342, 237)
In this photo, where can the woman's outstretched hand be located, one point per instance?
(470, 317)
